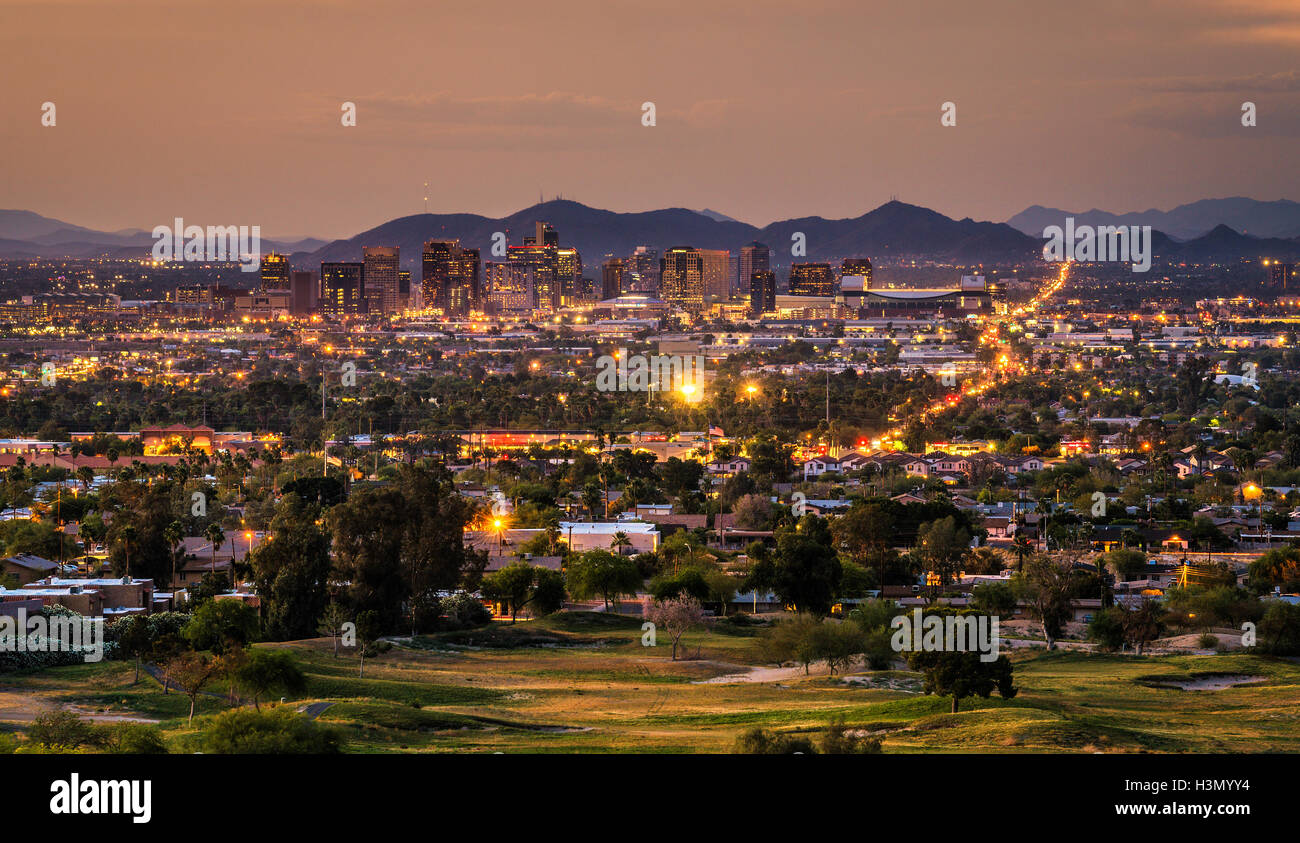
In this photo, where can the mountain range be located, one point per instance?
(1248, 216)
(893, 230)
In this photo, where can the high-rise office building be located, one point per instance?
(449, 279)
(383, 279)
(275, 272)
(811, 279)
(568, 275)
(533, 268)
(613, 274)
(681, 278)
(857, 266)
(342, 288)
(305, 292)
(756, 257)
(762, 292)
(506, 292)
(643, 271)
(717, 283)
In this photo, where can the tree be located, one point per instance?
(174, 534)
(219, 625)
(959, 675)
(599, 573)
(866, 532)
(1107, 628)
(942, 545)
(994, 598)
(134, 639)
(1046, 585)
(331, 623)
(267, 670)
(399, 545)
(1143, 624)
(291, 571)
(792, 639)
(838, 643)
(216, 538)
(1124, 563)
(519, 584)
(368, 632)
(678, 615)
(807, 569)
(753, 512)
(191, 672)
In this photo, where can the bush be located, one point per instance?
(65, 731)
(462, 611)
(836, 740)
(759, 741)
(1206, 641)
(276, 731)
(1107, 629)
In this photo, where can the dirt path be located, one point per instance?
(25, 707)
(762, 674)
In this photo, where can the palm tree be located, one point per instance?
(173, 535)
(217, 537)
(86, 475)
(620, 541)
(1020, 545)
(127, 535)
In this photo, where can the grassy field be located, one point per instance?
(583, 683)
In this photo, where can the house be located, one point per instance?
(121, 595)
(27, 568)
(599, 535)
(999, 527)
(817, 466)
(826, 507)
(755, 602)
(730, 468)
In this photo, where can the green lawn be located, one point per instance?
(583, 683)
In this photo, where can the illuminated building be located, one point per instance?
(275, 272)
(716, 276)
(812, 279)
(342, 288)
(756, 257)
(681, 278)
(613, 274)
(382, 281)
(449, 279)
(762, 292)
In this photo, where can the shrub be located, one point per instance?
(276, 731)
(836, 740)
(759, 741)
(1206, 641)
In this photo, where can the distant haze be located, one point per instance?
(228, 112)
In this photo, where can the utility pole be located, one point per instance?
(324, 443)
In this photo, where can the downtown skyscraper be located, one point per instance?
(450, 277)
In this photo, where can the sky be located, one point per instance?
(228, 112)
